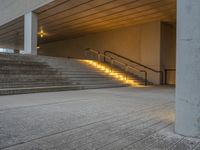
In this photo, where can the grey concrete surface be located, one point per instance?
(12, 9)
(30, 33)
(188, 68)
(104, 119)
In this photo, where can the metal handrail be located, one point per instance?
(127, 67)
(166, 72)
(137, 63)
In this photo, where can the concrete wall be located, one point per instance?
(140, 43)
(11, 9)
(168, 50)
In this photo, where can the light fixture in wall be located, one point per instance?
(38, 47)
(41, 33)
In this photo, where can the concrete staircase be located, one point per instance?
(20, 74)
(27, 74)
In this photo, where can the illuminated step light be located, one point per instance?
(112, 73)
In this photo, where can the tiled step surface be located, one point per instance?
(21, 74)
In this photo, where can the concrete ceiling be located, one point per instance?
(63, 19)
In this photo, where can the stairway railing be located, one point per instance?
(106, 53)
(127, 68)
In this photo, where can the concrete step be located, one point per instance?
(35, 84)
(85, 83)
(105, 86)
(33, 79)
(12, 91)
(20, 62)
(23, 65)
(27, 69)
(31, 74)
(77, 69)
(28, 72)
(51, 76)
(17, 57)
(25, 90)
(36, 71)
(86, 76)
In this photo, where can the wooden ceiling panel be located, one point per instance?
(63, 19)
(109, 26)
(148, 18)
(69, 6)
(90, 14)
(70, 35)
(11, 33)
(51, 5)
(115, 18)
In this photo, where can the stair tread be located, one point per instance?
(30, 74)
(26, 88)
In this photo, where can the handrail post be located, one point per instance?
(112, 63)
(85, 54)
(99, 56)
(165, 76)
(104, 57)
(161, 77)
(145, 78)
(126, 71)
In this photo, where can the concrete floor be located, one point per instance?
(103, 119)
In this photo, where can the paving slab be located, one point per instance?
(106, 119)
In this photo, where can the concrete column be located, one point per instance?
(188, 68)
(30, 33)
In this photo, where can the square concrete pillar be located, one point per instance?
(188, 68)
(30, 33)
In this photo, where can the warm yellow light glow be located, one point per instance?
(107, 71)
(41, 33)
(113, 73)
(102, 67)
